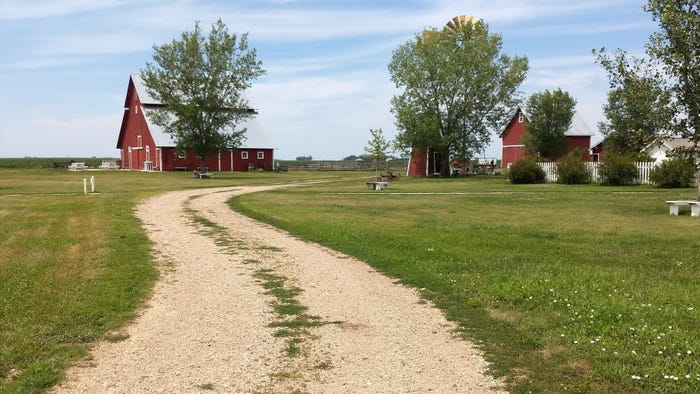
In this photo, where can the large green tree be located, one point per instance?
(638, 110)
(457, 87)
(677, 46)
(200, 80)
(550, 114)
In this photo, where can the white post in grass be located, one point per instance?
(92, 184)
(84, 186)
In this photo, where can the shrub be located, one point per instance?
(572, 170)
(526, 171)
(675, 172)
(618, 170)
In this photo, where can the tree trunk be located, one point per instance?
(202, 164)
(445, 162)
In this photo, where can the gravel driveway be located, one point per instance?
(205, 328)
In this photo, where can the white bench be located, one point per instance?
(109, 165)
(674, 205)
(377, 185)
(201, 175)
(75, 166)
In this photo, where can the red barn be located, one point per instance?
(423, 162)
(598, 150)
(578, 136)
(144, 145)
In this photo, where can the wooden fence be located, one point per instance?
(397, 166)
(643, 167)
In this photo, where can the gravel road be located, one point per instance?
(205, 327)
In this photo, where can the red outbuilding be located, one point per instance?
(578, 136)
(144, 145)
(423, 162)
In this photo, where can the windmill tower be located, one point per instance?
(425, 161)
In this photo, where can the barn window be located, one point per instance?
(244, 155)
(136, 108)
(261, 155)
(138, 141)
(520, 117)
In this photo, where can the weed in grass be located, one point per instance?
(324, 365)
(284, 333)
(269, 248)
(284, 375)
(206, 386)
(118, 337)
(289, 308)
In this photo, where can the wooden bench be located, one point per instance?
(674, 205)
(388, 176)
(377, 185)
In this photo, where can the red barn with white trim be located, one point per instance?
(578, 136)
(144, 145)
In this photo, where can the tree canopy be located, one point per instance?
(549, 116)
(457, 88)
(638, 109)
(677, 46)
(200, 80)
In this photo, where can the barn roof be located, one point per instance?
(672, 143)
(142, 92)
(578, 127)
(255, 136)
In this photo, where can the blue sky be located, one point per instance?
(65, 64)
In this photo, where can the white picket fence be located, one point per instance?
(643, 167)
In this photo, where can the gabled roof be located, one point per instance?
(142, 92)
(578, 128)
(672, 143)
(255, 137)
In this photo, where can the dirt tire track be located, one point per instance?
(205, 329)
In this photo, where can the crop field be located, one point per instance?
(565, 288)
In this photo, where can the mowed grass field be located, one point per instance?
(584, 289)
(73, 267)
(565, 288)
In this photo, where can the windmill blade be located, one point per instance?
(458, 22)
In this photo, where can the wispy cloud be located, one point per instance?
(38, 9)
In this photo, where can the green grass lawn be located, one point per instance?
(565, 288)
(75, 267)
